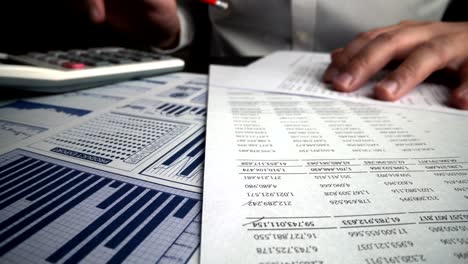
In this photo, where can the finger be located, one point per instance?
(96, 10)
(459, 97)
(423, 61)
(376, 55)
(363, 40)
(331, 72)
(341, 58)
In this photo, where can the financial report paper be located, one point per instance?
(292, 179)
(105, 175)
(300, 73)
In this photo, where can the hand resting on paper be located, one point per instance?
(154, 22)
(423, 48)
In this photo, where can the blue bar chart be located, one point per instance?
(57, 212)
(200, 99)
(172, 109)
(182, 164)
(182, 91)
(33, 113)
(11, 132)
(162, 109)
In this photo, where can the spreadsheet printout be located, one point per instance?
(294, 179)
(105, 175)
(295, 72)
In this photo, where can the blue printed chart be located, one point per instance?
(182, 91)
(200, 99)
(182, 164)
(53, 211)
(12, 132)
(166, 110)
(151, 137)
(179, 110)
(115, 139)
(40, 114)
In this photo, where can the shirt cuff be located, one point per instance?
(185, 35)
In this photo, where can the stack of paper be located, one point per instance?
(301, 179)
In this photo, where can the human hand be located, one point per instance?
(423, 47)
(152, 22)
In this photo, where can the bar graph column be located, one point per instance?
(182, 164)
(56, 212)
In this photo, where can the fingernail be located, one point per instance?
(390, 86)
(330, 74)
(343, 79)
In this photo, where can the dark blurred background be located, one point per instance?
(60, 24)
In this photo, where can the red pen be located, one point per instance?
(217, 3)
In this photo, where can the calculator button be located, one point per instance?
(149, 54)
(135, 57)
(35, 55)
(64, 56)
(143, 56)
(55, 53)
(73, 65)
(85, 60)
(124, 61)
(75, 58)
(55, 61)
(145, 59)
(115, 59)
(97, 63)
(76, 51)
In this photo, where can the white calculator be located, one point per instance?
(63, 71)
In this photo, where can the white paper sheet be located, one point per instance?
(292, 179)
(300, 73)
(111, 174)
